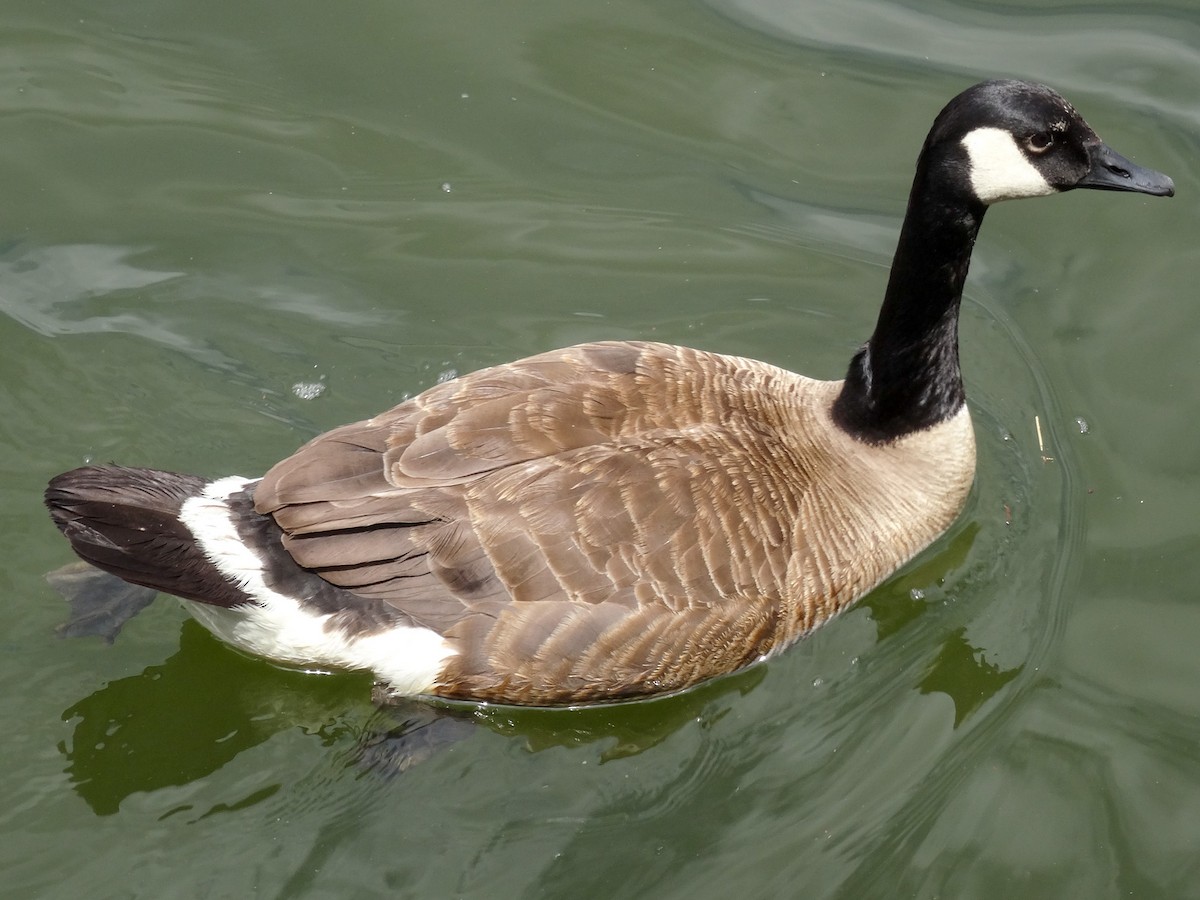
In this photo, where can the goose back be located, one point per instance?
(613, 519)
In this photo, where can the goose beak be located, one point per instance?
(1112, 172)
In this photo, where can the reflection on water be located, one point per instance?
(99, 604)
(61, 290)
(182, 720)
(962, 672)
(1140, 45)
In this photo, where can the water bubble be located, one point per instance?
(308, 390)
(917, 594)
(1083, 425)
(447, 375)
(446, 187)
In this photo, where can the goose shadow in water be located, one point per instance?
(184, 719)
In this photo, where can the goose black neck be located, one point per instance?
(906, 377)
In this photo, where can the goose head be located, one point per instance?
(1002, 140)
(998, 140)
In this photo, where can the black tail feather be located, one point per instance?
(126, 521)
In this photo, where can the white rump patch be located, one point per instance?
(999, 170)
(279, 628)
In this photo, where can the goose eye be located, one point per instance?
(1040, 142)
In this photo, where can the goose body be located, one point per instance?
(611, 520)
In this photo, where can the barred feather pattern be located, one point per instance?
(614, 519)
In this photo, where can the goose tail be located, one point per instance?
(131, 522)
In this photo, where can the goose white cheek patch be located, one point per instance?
(999, 170)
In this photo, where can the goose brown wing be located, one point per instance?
(607, 489)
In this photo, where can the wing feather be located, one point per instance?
(570, 508)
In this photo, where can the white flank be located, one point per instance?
(279, 628)
(999, 170)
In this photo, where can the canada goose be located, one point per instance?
(618, 519)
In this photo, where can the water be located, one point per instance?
(207, 207)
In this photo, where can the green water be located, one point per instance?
(208, 207)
